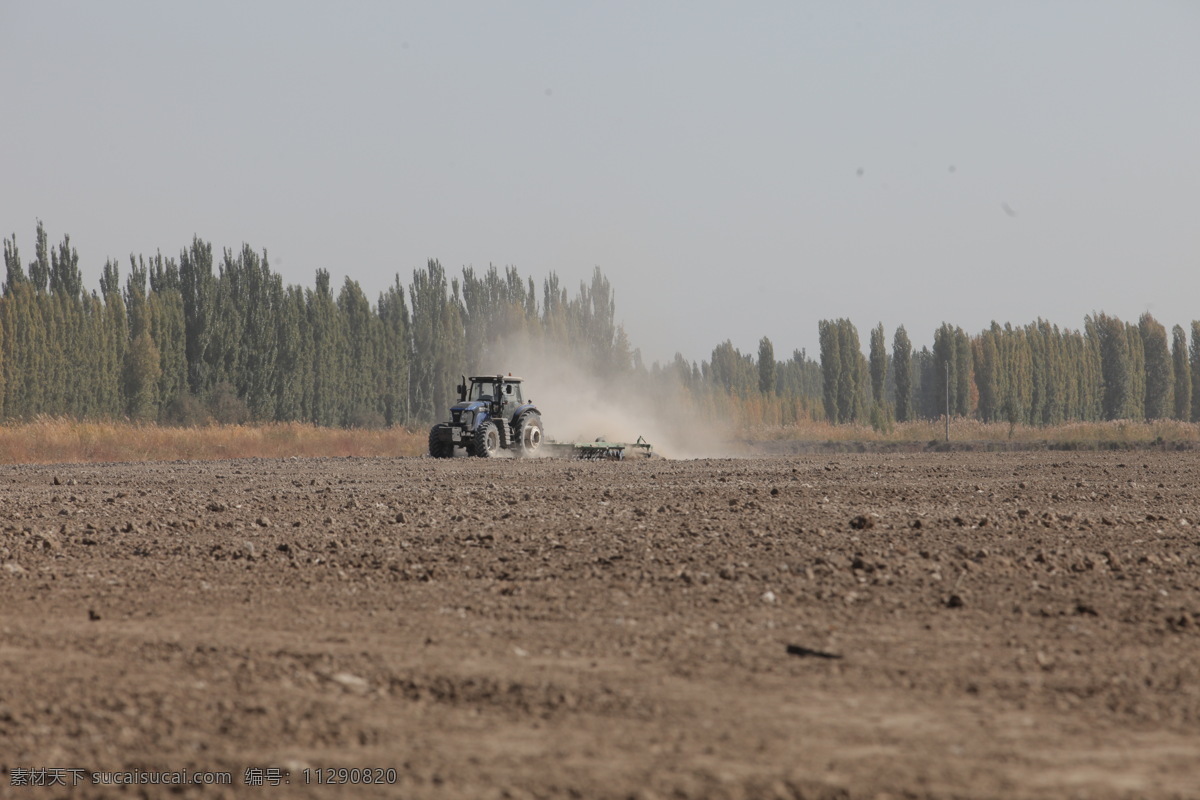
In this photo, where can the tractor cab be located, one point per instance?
(492, 389)
(499, 395)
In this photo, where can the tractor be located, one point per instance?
(491, 415)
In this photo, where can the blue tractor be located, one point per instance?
(491, 415)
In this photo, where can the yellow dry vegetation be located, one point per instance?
(1082, 435)
(55, 440)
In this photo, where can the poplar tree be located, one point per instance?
(733, 370)
(95, 389)
(1092, 379)
(39, 268)
(1195, 370)
(766, 366)
(393, 314)
(902, 359)
(142, 368)
(594, 314)
(198, 287)
(328, 352)
(1019, 403)
(294, 357)
(439, 345)
(256, 296)
(986, 356)
(852, 374)
(4, 333)
(945, 354)
(879, 364)
(25, 339)
(168, 330)
(142, 371)
(65, 278)
(1182, 372)
(555, 325)
(14, 270)
(363, 358)
(74, 373)
(1135, 403)
(53, 376)
(1159, 401)
(112, 334)
(1115, 368)
(226, 354)
(963, 372)
(831, 366)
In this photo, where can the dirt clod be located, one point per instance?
(48, 540)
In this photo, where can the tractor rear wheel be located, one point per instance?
(438, 447)
(529, 435)
(486, 441)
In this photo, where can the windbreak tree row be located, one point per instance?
(1038, 374)
(220, 337)
(207, 337)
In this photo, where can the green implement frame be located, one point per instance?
(601, 450)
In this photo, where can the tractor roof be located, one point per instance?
(492, 378)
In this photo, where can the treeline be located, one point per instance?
(204, 338)
(1038, 374)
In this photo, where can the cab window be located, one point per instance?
(480, 390)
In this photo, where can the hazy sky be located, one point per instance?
(736, 169)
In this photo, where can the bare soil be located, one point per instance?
(944, 625)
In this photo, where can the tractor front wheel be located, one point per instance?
(439, 447)
(486, 441)
(529, 435)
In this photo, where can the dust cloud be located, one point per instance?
(579, 405)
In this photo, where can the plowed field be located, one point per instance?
(959, 625)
